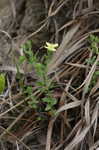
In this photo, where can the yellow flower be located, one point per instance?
(51, 47)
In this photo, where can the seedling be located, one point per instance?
(94, 43)
(2, 83)
(44, 84)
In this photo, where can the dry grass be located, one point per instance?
(75, 126)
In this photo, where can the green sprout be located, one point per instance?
(44, 84)
(94, 43)
(2, 83)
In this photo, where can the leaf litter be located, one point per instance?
(75, 122)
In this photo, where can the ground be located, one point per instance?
(73, 68)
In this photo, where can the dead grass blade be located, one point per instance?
(36, 32)
(72, 97)
(18, 104)
(87, 112)
(90, 3)
(14, 122)
(95, 146)
(94, 89)
(68, 106)
(50, 13)
(90, 75)
(12, 135)
(87, 81)
(77, 139)
(49, 134)
(62, 50)
(11, 68)
(95, 117)
(13, 8)
(17, 145)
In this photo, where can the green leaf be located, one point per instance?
(28, 90)
(21, 59)
(52, 101)
(27, 46)
(46, 99)
(92, 38)
(40, 83)
(48, 107)
(91, 60)
(97, 73)
(40, 69)
(33, 103)
(2, 83)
